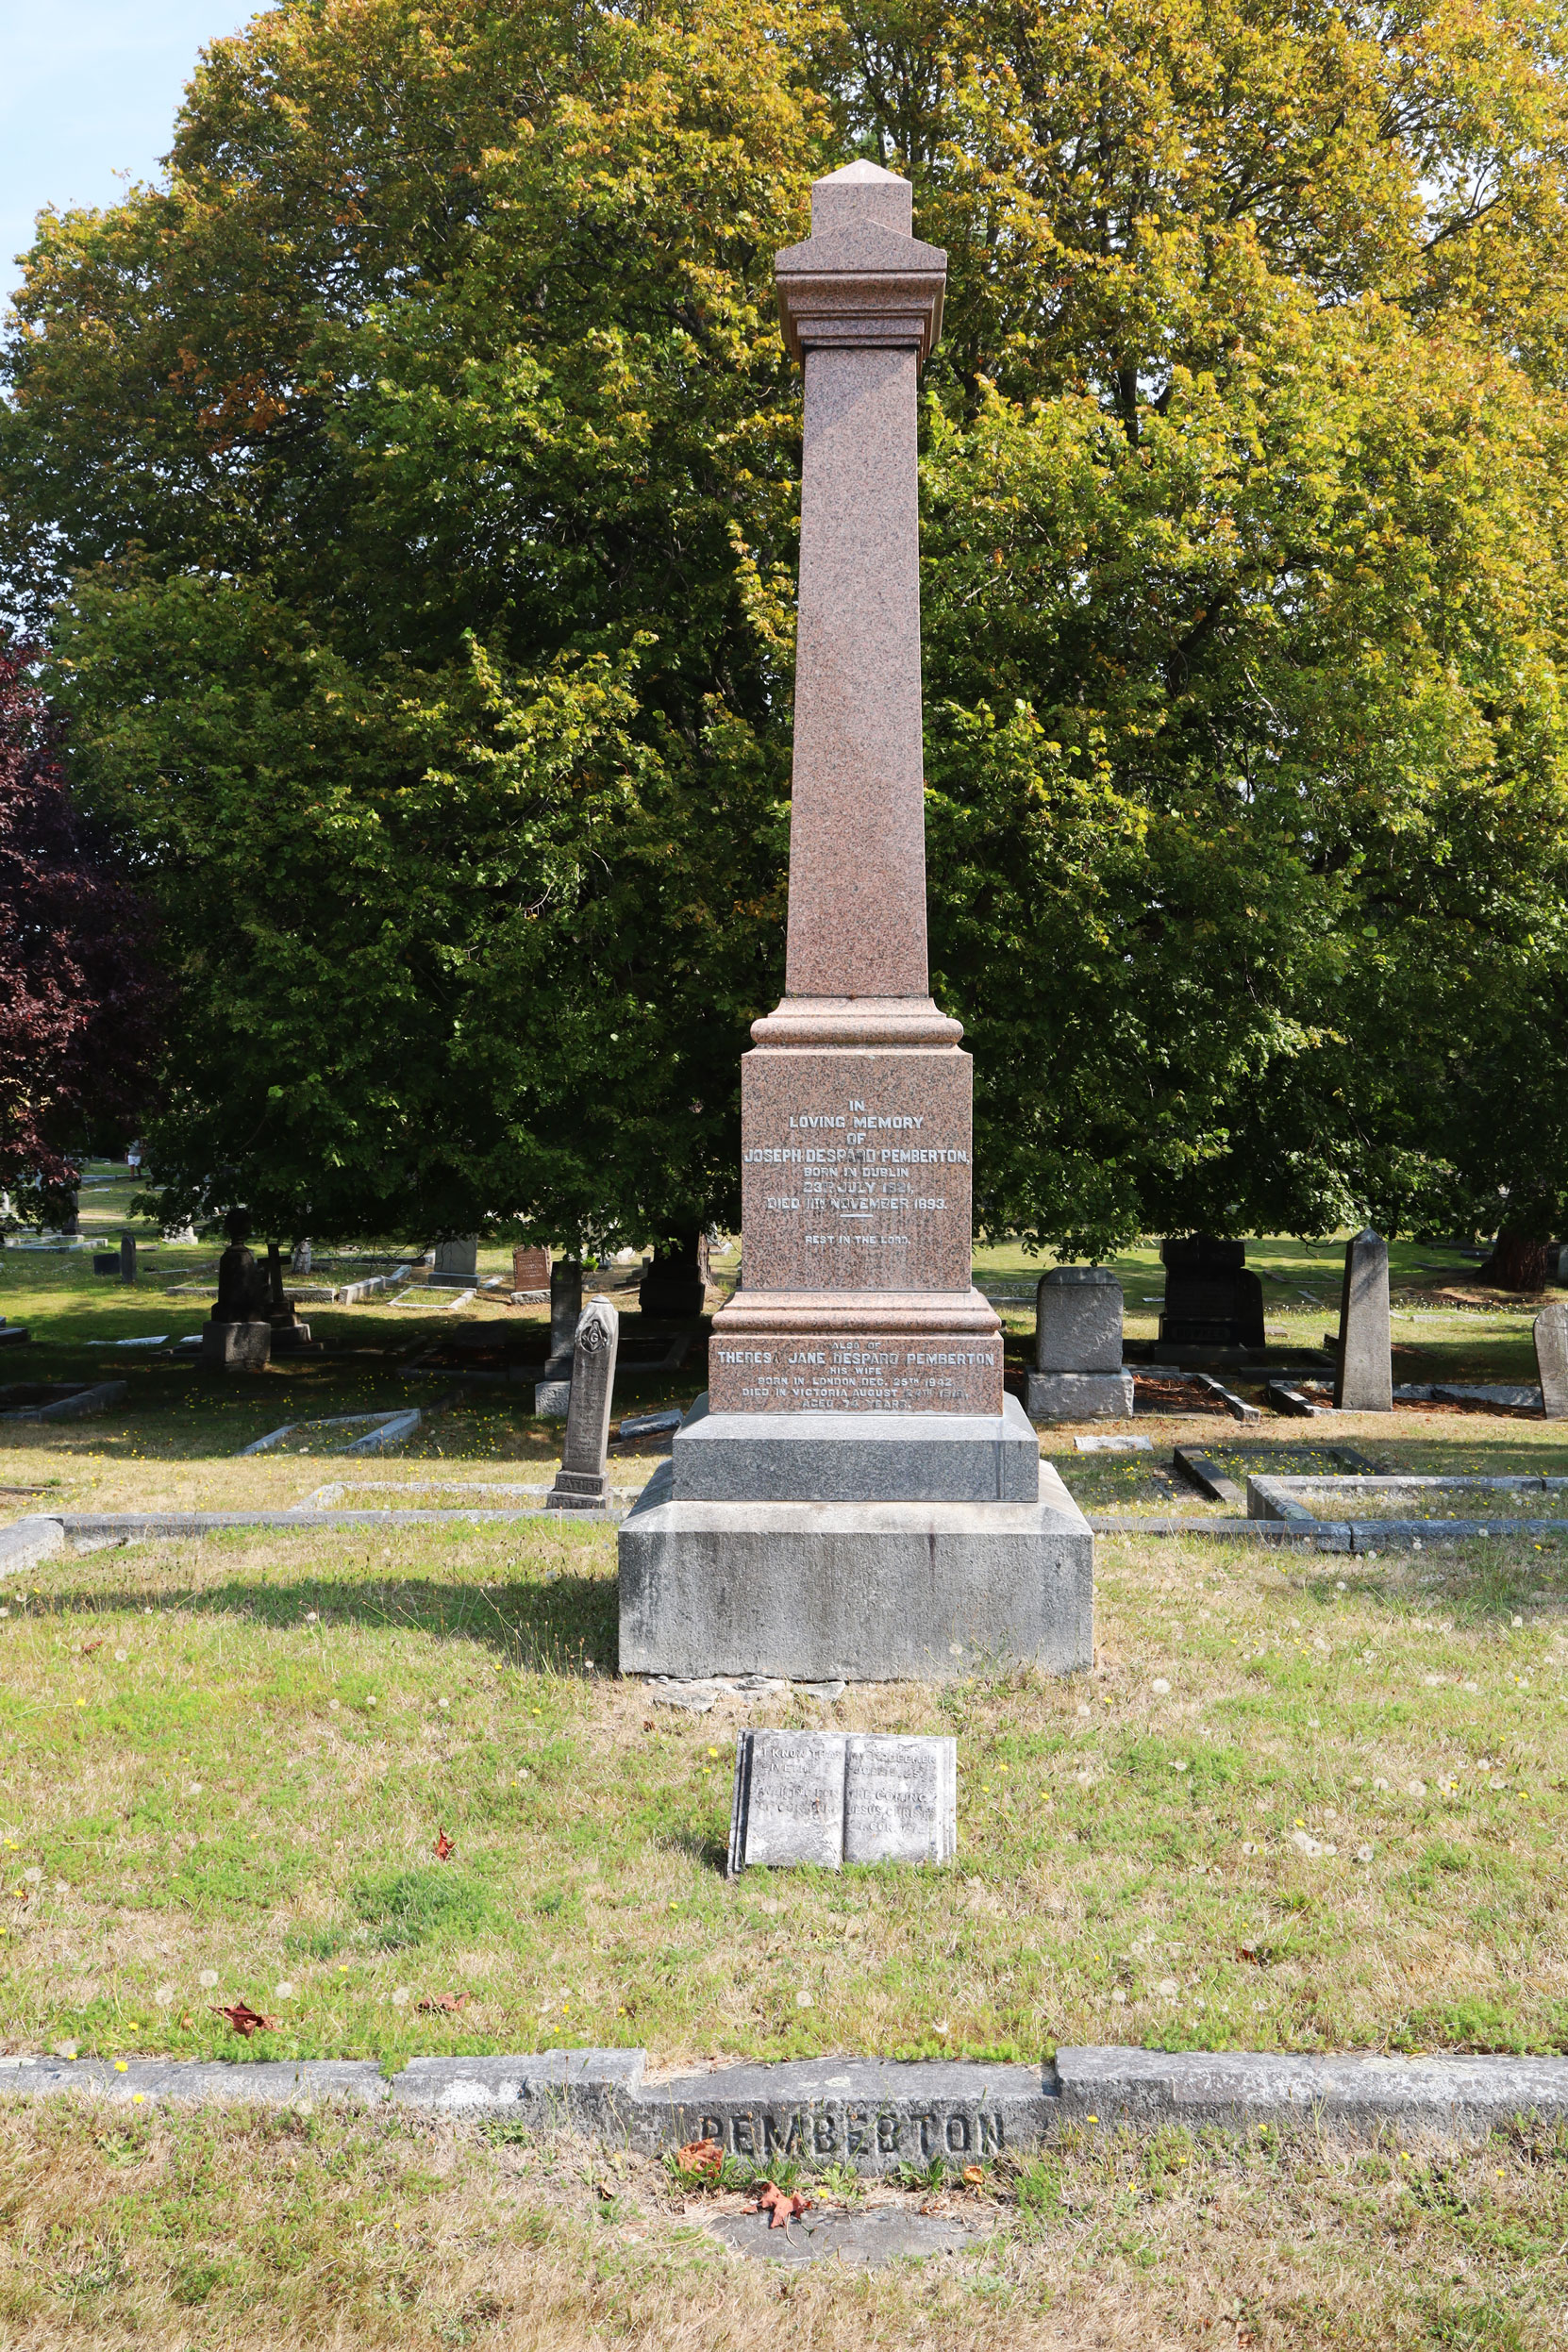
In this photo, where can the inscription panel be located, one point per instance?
(866, 2133)
(868, 1372)
(900, 1799)
(855, 1171)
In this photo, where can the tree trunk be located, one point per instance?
(1517, 1264)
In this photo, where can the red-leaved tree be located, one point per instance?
(78, 1003)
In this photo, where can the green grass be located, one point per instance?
(233, 1759)
(174, 2230)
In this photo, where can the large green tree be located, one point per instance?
(412, 482)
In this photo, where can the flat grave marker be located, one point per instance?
(831, 1798)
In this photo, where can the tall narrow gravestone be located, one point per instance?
(1551, 1359)
(1365, 1380)
(582, 1482)
(855, 1495)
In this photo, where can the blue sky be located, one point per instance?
(89, 87)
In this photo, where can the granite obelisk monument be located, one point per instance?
(855, 1495)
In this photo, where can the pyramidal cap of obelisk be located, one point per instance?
(856, 1117)
(854, 1494)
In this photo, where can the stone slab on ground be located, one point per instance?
(130, 1526)
(872, 1592)
(856, 1458)
(866, 2240)
(1079, 1395)
(832, 1797)
(74, 1405)
(25, 1542)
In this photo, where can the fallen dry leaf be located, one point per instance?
(975, 2176)
(444, 1847)
(450, 2002)
(88, 1647)
(244, 2020)
(783, 2209)
(700, 2160)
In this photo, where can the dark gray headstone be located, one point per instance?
(1365, 1380)
(565, 1306)
(830, 1798)
(583, 1478)
(299, 1260)
(1551, 1359)
(1078, 1322)
(127, 1258)
(459, 1260)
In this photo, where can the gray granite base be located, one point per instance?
(874, 2113)
(1079, 1395)
(856, 1458)
(872, 1592)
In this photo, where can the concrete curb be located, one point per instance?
(128, 1525)
(874, 2114)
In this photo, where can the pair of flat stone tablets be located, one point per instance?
(831, 1798)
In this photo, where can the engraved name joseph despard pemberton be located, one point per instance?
(831, 1798)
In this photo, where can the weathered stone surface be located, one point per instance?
(874, 2114)
(863, 2240)
(127, 1258)
(1551, 1360)
(1078, 1320)
(788, 1806)
(236, 1347)
(1079, 1395)
(597, 2091)
(1238, 2088)
(25, 1542)
(826, 1797)
(583, 1478)
(844, 1457)
(900, 1798)
(1364, 1380)
(277, 2083)
(872, 1592)
(458, 1261)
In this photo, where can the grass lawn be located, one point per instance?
(1301, 1802)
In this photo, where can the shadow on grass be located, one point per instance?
(563, 1628)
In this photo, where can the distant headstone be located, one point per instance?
(582, 1482)
(238, 1336)
(1551, 1359)
(299, 1257)
(458, 1261)
(70, 1221)
(675, 1282)
(565, 1314)
(830, 1798)
(291, 1336)
(1210, 1298)
(127, 1258)
(1077, 1348)
(530, 1269)
(1364, 1381)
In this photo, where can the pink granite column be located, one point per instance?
(855, 1101)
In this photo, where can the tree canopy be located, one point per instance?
(78, 1003)
(408, 488)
